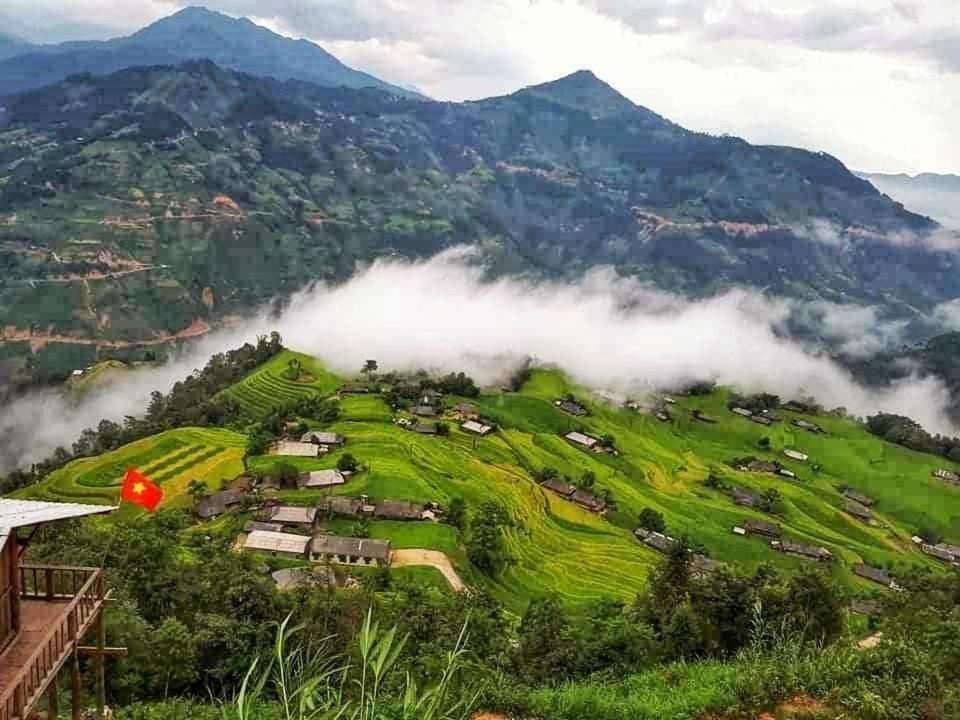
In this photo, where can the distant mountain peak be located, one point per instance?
(583, 90)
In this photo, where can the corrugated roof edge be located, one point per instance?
(23, 513)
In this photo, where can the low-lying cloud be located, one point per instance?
(442, 314)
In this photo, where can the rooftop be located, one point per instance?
(277, 542)
(23, 513)
(293, 515)
(351, 547)
(322, 478)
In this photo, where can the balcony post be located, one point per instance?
(101, 644)
(73, 627)
(53, 699)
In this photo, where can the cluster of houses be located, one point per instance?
(429, 410)
(319, 547)
(583, 498)
(774, 534)
(700, 564)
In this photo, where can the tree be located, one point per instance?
(485, 546)
(347, 463)
(764, 442)
(258, 442)
(286, 474)
(197, 490)
(174, 651)
(588, 479)
(652, 520)
(369, 368)
(294, 369)
(456, 514)
(547, 650)
(671, 579)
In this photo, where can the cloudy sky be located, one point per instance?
(875, 82)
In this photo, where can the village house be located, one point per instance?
(251, 525)
(398, 510)
(701, 416)
(321, 479)
(796, 455)
(657, 541)
(477, 428)
(466, 411)
(571, 407)
(292, 516)
(762, 466)
(290, 448)
(808, 426)
(663, 416)
(947, 475)
(938, 551)
(746, 498)
(881, 577)
(760, 527)
(327, 439)
(559, 487)
(743, 412)
(217, 504)
(346, 506)
(277, 543)
(426, 429)
(762, 420)
(784, 472)
(859, 497)
(861, 512)
(349, 551)
(353, 389)
(582, 439)
(589, 501)
(427, 411)
(808, 552)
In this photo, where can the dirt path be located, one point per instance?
(38, 340)
(430, 558)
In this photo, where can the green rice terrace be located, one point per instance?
(553, 544)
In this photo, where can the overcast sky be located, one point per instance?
(875, 82)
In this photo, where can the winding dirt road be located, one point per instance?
(430, 558)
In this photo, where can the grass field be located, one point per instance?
(267, 386)
(172, 459)
(553, 545)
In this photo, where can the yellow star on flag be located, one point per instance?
(138, 488)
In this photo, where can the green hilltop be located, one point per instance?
(555, 546)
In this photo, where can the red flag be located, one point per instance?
(141, 490)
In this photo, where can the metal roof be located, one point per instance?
(23, 513)
(277, 542)
(323, 478)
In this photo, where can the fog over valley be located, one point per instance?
(607, 332)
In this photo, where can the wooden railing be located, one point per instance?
(81, 590)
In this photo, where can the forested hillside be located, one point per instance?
(153, 203)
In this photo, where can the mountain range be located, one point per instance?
(150, 203)
(191, 34)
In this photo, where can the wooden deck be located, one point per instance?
(37, 616)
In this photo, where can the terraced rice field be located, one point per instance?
(267, 386)
(172, 459)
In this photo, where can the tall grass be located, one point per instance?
(300, 680)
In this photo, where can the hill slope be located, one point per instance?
(554, 545)
(136, 205)
(928, 193)
(192, 34)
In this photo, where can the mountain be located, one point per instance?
(11, 45)
(191, 34)
(928, 193)
(147, 205)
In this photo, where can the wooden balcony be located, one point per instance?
(58, 605)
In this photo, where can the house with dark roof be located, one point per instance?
(219, 503)
(253, 525)
(559, 487)
(353, 389)
(426, 429)
(329, 439)
(321, 479)
(427, 411)
(589, 501)
(881, 577)
(939, 552)
(761, 420)
(292, 516)
(859, 497)
(582, 440)
(861, 512)
(345, 506)
(744, 497)
(398, 510)
(466, 411)
(760, 527)
(571, 407)
(657, 541)
(349, 551)
(701, 416)
(807, 552)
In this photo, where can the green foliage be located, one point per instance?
(485, 547)
(347, 463)
(650, 519)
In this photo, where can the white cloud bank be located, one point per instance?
(441, 314)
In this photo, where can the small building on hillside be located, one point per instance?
(349, 551)
(252, 525)
(657, 541)
(663, 416)
(859, 497)
(861, 512)
(881, 577)
(796, 455)
(398, 510)
(582, 440)
(938, 552)
(426, 429)
(277, 543)
(744, 497)
(346, 506)
(701, 416)
(353, 389)
(328, 439)
(477, 428)
(571, 407)
(427, 411)
(292, 516)
(808, 426)
(762, 420)
(760, 527)
(784, 472)
(807, 552)
(466, 411)
(947, 475)
(219, 503)
(588, 501)
(743, 412)
(763, 466)
(321, 479)
(559, 487)
(291, 448)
